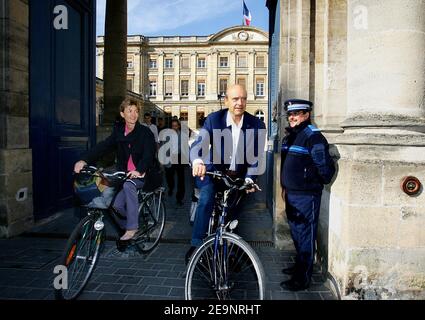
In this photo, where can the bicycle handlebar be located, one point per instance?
(99, 172)
(233, 183)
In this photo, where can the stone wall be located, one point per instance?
(369, 94)
(376, 230)
(294, 79)
(16, 205)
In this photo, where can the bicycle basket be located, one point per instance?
(86, 187)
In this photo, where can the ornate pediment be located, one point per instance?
(240, 34)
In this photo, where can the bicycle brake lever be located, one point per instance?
(257, 187)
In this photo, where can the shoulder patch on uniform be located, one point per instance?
(310, 130)
(313, 128)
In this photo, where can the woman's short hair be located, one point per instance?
(129, 102)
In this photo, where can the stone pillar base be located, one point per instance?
(374, 234)
(281, 233)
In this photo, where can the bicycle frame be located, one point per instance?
(221, 229)
(111, 213)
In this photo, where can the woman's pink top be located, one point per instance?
(130, 163)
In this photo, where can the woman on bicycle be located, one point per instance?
(135, 153)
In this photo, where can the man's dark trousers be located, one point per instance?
(170, 175)
(303, 216)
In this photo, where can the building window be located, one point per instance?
(152, 64)
(168, 88)
(201, 63)
(168, 63)
(242, 82)
(183, 116)
(242, 62)
(130, 84)
(259, 88)
(200, 119)
(201, 88)
(130, 64)
(224, 62)
(185, 63)
(152, 88)
(259, 62)
(184, 88)
(260, 115)
(223, 87)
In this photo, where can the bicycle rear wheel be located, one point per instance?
(151, 222)
(80, 256)
(232, 271)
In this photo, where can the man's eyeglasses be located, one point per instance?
(295, 113)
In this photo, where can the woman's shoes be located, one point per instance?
(128, 235)
(126, 240)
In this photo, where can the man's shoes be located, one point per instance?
(289, 271)
(294, 285)
(189, 254)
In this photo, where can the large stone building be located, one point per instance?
(185, 75)
(363, 65)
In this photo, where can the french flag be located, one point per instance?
(246, 14)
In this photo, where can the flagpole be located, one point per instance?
(242, 14)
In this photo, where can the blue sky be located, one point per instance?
(186, 17)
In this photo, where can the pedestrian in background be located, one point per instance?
(176, 169)
(148, 123)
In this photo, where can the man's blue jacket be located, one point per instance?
(214, 145)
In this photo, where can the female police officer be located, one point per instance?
(306, 167)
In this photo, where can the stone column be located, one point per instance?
(250, 88)
(160, 81)
(375, 229)
(294, 83)
(141, 73)
(138, 60)
(115, 84)
(192, 81)
(232, 63)
(176, 81)
(99, 57)
(330, 83)
(16, 202)
(212, 75)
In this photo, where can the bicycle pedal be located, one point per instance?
(122, 245)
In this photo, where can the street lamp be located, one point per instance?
(219, 97)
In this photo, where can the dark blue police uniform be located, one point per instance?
(305, 167)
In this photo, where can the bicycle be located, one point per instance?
(225, 266)
(86, 240)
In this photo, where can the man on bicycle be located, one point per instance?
(243, 135)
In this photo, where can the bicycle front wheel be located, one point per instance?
(79, 258)
(225, 271)
(151, 222)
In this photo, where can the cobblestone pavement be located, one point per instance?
(27, 262)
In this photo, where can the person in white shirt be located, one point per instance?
(148, 123)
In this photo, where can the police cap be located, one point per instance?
(297, 104)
